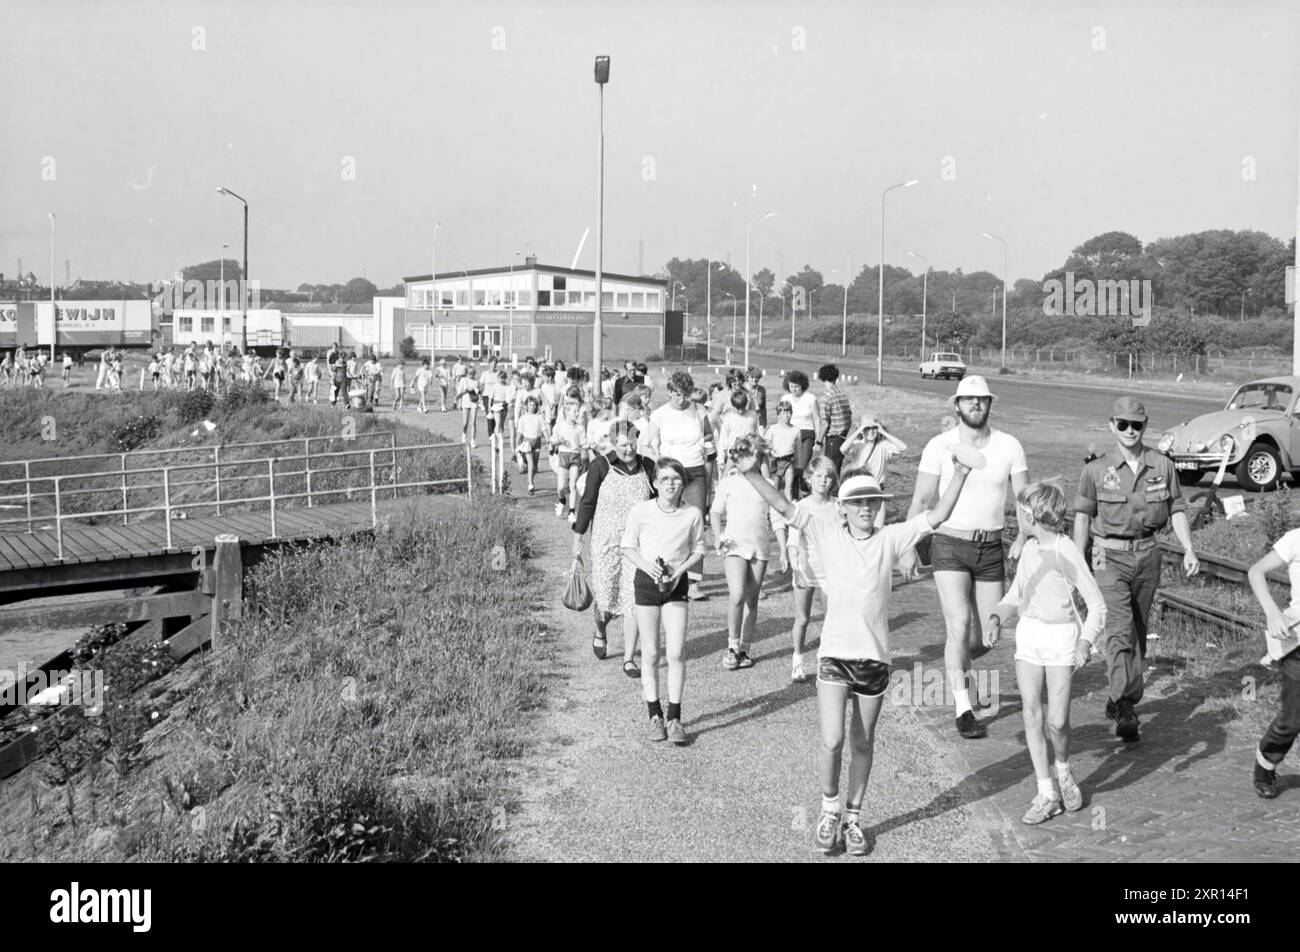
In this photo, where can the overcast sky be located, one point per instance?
(1046, 123)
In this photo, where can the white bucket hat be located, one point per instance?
(975, 386)
(862, 487)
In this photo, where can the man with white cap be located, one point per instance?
(966, 551)
(857, 560)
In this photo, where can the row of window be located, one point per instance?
(487, 298)
(185, 325)
(462, 337)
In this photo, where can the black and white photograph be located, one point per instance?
(661, 432)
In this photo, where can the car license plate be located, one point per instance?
(1186, 464)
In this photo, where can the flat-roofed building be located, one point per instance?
(536, 310)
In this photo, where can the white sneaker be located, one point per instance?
(559, 510)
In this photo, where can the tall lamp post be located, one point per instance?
(925, 285)
(243, 283)
(221, 301)
(602, 77)
(985, 234)
(54, 314)
(748, 228)
(880, 305)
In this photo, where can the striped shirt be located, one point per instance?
(836, 412)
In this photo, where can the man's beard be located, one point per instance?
(973, 422)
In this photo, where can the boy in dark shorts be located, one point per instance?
(857, 560)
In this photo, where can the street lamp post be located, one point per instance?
(54, 314)
(747, 279)
(844, 325)
(925, 285)
(243, 283)
(880, 305)
(985, 234)
(708, 308)
(602, 77)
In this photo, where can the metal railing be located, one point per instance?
(190, 487)
(122, 475)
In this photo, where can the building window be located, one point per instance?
(543, 298)
(462, 299)
(225, 322)
(493, 298)
(560, 284)
(448, 298)
(607, 299)
(523, 298)
(544, 282)
(523, 335)
(480, 297)
(207, 324)
(652, 300)
(638, 301)
(185, 325)
(623, 299)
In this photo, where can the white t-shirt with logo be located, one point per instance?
(855, 575)
(984, 497)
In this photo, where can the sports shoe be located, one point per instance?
(731, 659)
(857, 841)
(970, 728)
(1266, 782)
(1112, 710)
(1071, 795)
(1126, 724)
(656, 730)
(473, 444)
(559, 510)
(1041, 809)
(799, 673)
(573, 518)
(829, 834)
(743, 660)
(676, 733)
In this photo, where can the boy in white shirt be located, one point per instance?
(856, 560)
(423, 377)
(871, 448)
(1280, 635)
(399, 386)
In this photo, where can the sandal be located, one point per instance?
(598, 645)
(630, 669)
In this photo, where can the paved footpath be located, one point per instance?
(745, 788)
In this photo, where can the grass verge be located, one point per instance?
(365, 709)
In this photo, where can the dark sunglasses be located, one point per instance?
(1123, 425)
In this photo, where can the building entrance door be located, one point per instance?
(484, 342)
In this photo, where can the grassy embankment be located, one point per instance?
(362, 710)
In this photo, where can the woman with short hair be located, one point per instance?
(805, 414)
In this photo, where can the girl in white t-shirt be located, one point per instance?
(568, 439)
(741, 522)
(467, 398)
(530, 429)
(782, 442)
(741, 421)
(663, 539)
(805, 564)
(1051, 641)
(423, 377)
(871, 448)
(854, 655)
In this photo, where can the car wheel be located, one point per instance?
(1260, 469)
(1189, 477)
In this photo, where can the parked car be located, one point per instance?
(944, 365)
(1257, 432)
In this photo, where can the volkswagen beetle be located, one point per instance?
(1256, 436)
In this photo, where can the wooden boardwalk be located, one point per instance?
(105, 543)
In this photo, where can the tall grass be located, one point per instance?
(363, 709)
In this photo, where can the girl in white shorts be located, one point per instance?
(744, 546)
(1051, 640)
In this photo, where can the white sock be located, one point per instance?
(961, 700)
(797, 658)
(851, 815)
(1046, 788)
(1062, 769)
(1262, 761)
(831, 805)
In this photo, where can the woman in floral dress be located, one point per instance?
(616, 481)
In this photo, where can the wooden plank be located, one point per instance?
(26, 549)
(104, 611)
(14, 557)
(150, 539)
(190, 638)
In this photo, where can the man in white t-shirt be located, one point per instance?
(966, 550)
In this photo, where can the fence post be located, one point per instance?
(374, 515)
(124, 520)
(308, 448)
(27, 481)
(469, 473)
(167, 502)
(228, 597)
(270, 471)
(58, 516)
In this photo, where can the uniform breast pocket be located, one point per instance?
(1156, 494)
(1112, 496)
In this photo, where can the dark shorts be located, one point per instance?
(568, 459)
(781, 466)
(646, 591)
(982, 561)
(865, 678)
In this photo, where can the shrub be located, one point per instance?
(243, 395)
(135, 432)
(190, 406)
(407, 346)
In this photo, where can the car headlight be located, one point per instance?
(1166, 443)
(1227, 443)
